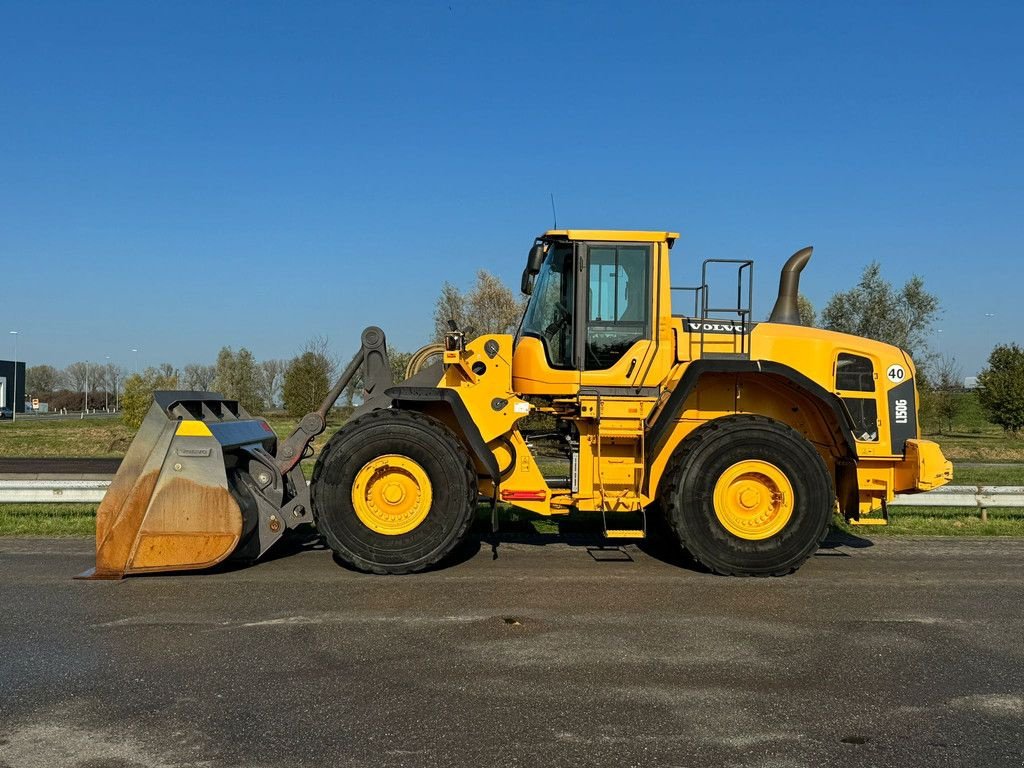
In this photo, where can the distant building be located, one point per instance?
(970, 382)
(8, 397)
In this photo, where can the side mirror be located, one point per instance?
(536, 258)
(533, 264)
(526, 286)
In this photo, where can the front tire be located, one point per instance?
(393, 492)
(748, 496)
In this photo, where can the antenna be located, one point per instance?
(554, 215)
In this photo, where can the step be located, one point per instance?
(623, 534)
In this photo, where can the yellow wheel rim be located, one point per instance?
(753, 499)
(391, 494)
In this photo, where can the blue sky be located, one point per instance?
(179, 176)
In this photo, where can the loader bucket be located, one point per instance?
(171, 507)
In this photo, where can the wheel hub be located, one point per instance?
(753, 499)
(391, 494)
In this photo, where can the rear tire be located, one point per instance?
(760, 462)
(438, 492)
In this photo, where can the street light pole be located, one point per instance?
(14, 397)
(86, 411)
(106, 387)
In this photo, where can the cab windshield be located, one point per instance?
(549, 314)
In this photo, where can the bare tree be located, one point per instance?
(42, 380)
(113, 375)
(78, 374)
(198, 377)
(450, 308)
(168, 371)
(489, 306)
(946, 395)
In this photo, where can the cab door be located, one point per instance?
(614, 338)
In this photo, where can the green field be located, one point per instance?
(43, 437)
(96, 436)
(972, 439)
(994, 474)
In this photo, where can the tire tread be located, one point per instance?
(675, 471)
(427, 423)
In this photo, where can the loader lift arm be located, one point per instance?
(372, 358)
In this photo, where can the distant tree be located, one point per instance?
(1001, 388)
(808, 316)
(489, 306)
(238, 377)
(113, 376)
(198, 377)
(308, 378)
(104, 381)
(168, 371)
(273, 378)
(78, 374)
(450, 308)
(943, 395)
(399, 362)
(41, 380)
(138, 392)
(876, 310)
(98, 384)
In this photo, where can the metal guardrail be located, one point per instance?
(980, 497)
(52, 491)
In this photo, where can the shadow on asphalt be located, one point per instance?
(837, 539)
(660, 545)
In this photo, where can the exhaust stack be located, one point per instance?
(786, 309)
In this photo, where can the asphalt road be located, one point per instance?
(905, 653)
(58, 466)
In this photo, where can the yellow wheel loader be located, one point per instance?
(745, 437)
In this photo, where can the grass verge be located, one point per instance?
(80, 520)
(48, 519)
(945, 521)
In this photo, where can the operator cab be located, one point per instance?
(590, 316)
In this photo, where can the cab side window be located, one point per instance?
(618, 303)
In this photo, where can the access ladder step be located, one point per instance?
(624, 534)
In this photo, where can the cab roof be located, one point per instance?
(611, 235)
